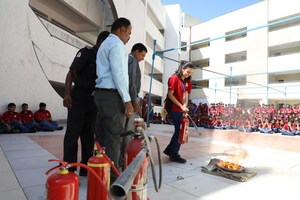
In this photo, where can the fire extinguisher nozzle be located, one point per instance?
(118, 191)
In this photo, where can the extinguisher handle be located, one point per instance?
(62, 164)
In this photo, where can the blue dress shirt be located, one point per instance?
(112, 66)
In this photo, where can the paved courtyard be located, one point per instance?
(275, 158)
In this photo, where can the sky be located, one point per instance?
(209, 9)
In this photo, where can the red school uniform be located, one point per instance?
(288, 128)
(179, 88)
(42, 115)
(26, 117)
(8, 117)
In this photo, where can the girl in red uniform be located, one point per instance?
(178, 86)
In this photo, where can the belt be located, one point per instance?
(106, 89)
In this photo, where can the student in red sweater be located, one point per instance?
(27, 119)
(44, 119)
(3, 128)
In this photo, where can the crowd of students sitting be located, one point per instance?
(26, 121)
(264, 119)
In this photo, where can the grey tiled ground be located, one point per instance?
(23, 164)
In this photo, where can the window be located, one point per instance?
(202, 63)
(235, 81)
(236, 34)
(236, 57)
(284, 25)
(282, 77)
(201, 45)
(284, 49)
(200, 84)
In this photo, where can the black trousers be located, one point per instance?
(110, 123)
(80, 124)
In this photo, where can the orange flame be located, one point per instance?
(233, 160)
(229, 165)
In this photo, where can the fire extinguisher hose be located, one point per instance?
(108, 159)
(194, 124)
(152, 163)
(157, 188)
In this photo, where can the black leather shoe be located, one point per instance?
(177, 158)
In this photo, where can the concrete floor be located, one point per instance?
(275, 158)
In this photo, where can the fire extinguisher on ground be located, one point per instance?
(183, 134)
(101, 164)
(64, 184)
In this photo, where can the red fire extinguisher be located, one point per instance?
(101, 164)
(183, 134)
(62, 185)
(139, 185)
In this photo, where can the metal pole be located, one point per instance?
(268, 55)
(215, 93)
(285, 95)
(122, 185)
(151, 77)
(230, 85)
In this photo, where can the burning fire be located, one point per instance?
(229, 165)
(233, 160)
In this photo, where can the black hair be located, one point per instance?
(11, 105)
(24, 104)
(140, 47)
(120, 22)
(102, 36)
(184, 65)
(42, 104)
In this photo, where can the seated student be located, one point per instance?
(159, 118)
(218, 124)
(297, 128)
(28, 120)
(229, 123)
(275, 125)
(12, 120)
(44, 119)
(167, 120)
(154, 118)
(3, 128)
(288, 128)
(267, 127)
(255, 125)
(232, 123)
(209, 123)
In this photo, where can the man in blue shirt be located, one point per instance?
(112, 89)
